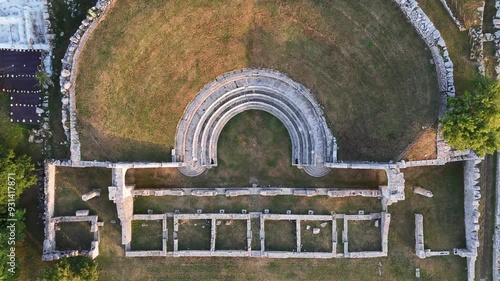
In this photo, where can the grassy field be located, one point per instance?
(365, 64)
(231, 235)
(276, 204)
(194, 234)
(70, 187)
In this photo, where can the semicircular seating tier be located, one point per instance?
(254, 89)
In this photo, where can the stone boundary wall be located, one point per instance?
(496, 236)
(478, 37)
(444, 69)
(472, 196)
(49, 243)
(455, 20)
(213, 217)
(434, 41)
(262, 191)
(70, 71)
(151, 253)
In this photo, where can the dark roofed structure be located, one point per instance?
(18, 70)
(25, 114)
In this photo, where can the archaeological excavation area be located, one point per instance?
(285, 157)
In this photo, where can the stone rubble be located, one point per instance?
(422, 191)
(91, 194)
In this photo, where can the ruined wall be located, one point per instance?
(70, 70)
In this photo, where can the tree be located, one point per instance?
(16, 170)
(16, 174)
(10, 237)
(73, 269)
(473, 122)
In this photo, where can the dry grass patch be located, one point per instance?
(424, 147)
(194, 234)
(147, 235)
(231, 235)
(364, 63)
(73, 236)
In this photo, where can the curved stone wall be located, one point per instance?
(254, 89)
(69, 72)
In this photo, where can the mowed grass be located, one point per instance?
(321, 242)
(364, 236)
(280, 236)
(276, 204)
(147, 235)
(194, 234)
(72, 183)
(231, 235)
(146, 61)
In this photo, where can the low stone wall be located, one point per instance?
(420, 251)
(263, 191)
(70, 70)
(434, 41)
(49, 244)
(453, 18)
(472, 196)
(263, 217)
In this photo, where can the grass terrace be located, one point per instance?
(366, 66)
